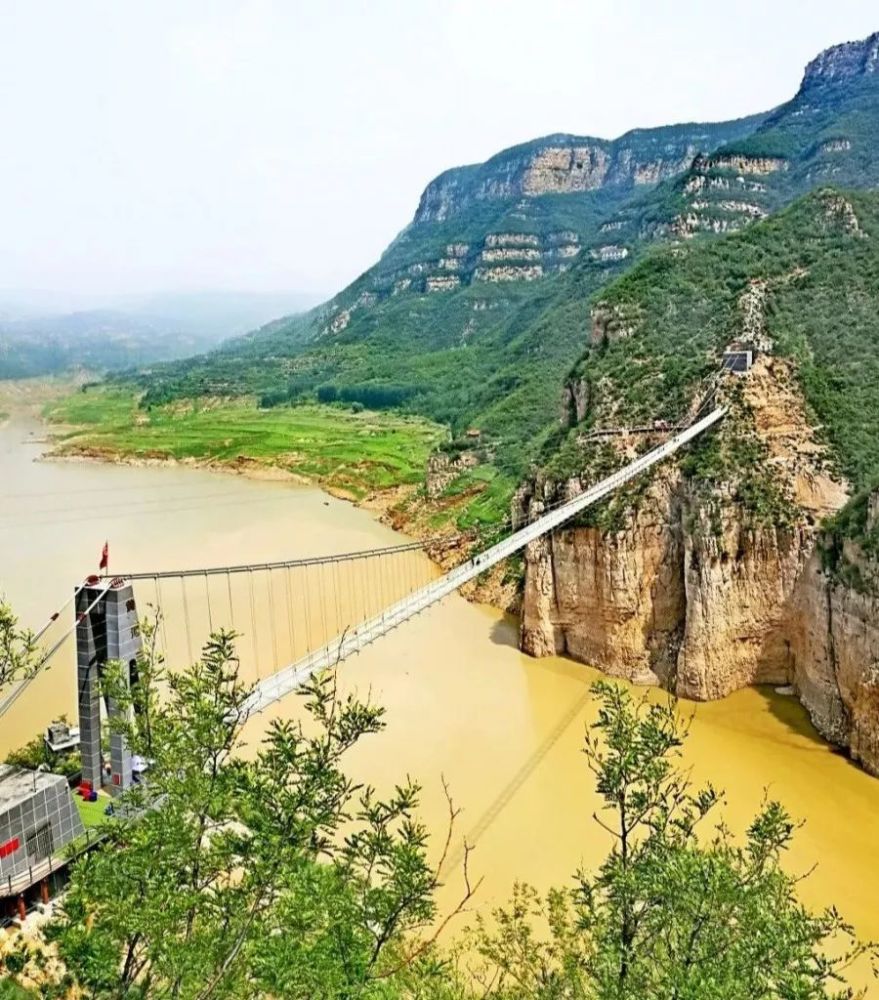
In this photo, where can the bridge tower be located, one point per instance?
(106, 630)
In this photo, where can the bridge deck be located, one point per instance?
(353, 640)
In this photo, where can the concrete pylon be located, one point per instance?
(108, 632)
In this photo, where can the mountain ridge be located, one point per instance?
(474, 320)
(510, 172)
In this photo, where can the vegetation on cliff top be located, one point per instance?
(850, 543)
(805, 280)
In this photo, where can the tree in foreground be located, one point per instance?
(675, 912)
(270, 874)
(229, 875)
(18, 648)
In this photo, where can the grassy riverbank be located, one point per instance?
(381, 456)
(352, 453)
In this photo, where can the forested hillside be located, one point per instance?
(803, 285)
(448, 320)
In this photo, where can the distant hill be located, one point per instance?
(481, 256)
(133, 332)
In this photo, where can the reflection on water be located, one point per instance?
(462, 703)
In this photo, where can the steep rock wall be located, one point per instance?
(612, 600)
(738, 587)
(668, 599)
(835, 652)
(693, 595)
(698, 599)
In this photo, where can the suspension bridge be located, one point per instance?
(294, 618)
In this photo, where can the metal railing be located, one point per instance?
(13, 885)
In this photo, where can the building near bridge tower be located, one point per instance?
(38, 820)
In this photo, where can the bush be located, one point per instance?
(36, 754)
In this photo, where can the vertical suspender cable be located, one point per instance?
(289, 602)
(272, 624)
(231, 604)
(186, 620)
(323, 603)
(253, 624)
(335, 571)
(364, 588)
(375, 562)
(162, 615)
(306, 595)
(352, 592)
(371, 587)
(381, 582)
(307, 604)
(207, 591)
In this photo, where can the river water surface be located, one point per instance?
(463, 705)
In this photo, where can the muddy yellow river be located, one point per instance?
(463, 705)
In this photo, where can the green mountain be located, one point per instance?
(827, 135)
(802, 286)
(439, 320)
(479, 308)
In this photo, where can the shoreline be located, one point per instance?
(388, 507)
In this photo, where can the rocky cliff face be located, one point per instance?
(835, 649)
(612, 600)
(843, 63)
(569, 164)
(823, 135)
(692, 594)
(671, 599)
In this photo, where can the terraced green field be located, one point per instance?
(354, 452)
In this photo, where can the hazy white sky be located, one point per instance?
(200, 144)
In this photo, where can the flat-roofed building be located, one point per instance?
(38, 818)
(738, 357)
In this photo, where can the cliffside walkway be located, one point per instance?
(351, 641)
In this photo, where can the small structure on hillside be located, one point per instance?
(60, 737)
(738, 357)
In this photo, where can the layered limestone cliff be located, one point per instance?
(568, 164)
(835, 649)
(692, 593)
(733, 188)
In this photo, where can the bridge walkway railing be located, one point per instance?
(353, 640)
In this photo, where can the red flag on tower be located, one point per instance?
(105, 557)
